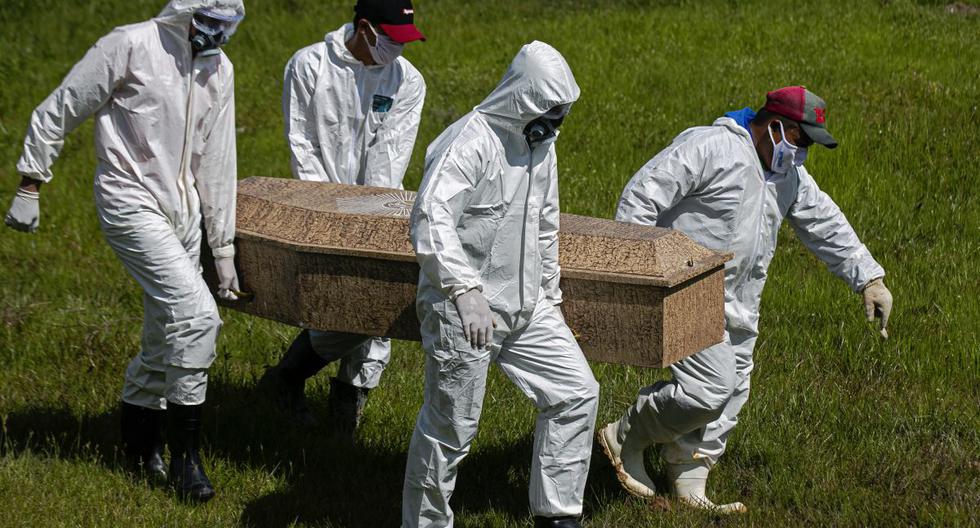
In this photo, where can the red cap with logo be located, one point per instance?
(395, 17)
(804, 107)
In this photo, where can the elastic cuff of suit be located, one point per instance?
(36, 176)
(29, 195)
(879, 278)
(224, 251)
(460, 290)
(859, 270)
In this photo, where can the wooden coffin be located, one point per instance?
(338, 257)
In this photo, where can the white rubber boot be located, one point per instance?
(628, 463)
(688, 483)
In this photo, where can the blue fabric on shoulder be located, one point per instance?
(742, 117)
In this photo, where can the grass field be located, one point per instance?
(843, 429)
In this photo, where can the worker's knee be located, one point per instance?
(586, 399)
(590, 391)
(711, 402)
(203, 327)
(453, 432)
(191, 337)
(194, 311)
(580, 387)
(186, 386)
(203, 319)
(713, 407)
(208, 311)
(210, 320)
(577, 398)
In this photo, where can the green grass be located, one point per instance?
(842, 428)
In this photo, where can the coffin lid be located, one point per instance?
(372, 222)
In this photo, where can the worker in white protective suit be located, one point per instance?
(485, 232)
(162, 93)
(729, 186)
(352, 106)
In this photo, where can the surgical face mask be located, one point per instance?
(783, 153)
(213, 31)
(385, 50)
(800, 156)
(545, 128)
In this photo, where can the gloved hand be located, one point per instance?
(25, 211)
(227, 278)
(878, 303)
(474, 312)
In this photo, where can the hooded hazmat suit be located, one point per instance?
(710, 184)
(350, 123)
(486, 217)
(165, 143)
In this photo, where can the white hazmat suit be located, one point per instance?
(165, 142)
(347, 122)
(486, 217)
(710, 184)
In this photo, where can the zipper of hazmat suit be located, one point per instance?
(763, 227)
(360, 144)
(527, 200)
(182, 184)
(535, 156)
(745, 272)
(354, 110)
(760, 222)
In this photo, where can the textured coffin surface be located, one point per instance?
(338, 257)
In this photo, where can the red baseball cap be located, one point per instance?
(395, 17)
(804, 107)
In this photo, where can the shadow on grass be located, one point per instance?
(328, 480)
(59, 433)
(358, 487)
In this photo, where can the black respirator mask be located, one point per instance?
(212, 31)
(203, 44)
(545, 127)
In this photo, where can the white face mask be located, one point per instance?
(385, 50)
(800, 156)
(783, 153)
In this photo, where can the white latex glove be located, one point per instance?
(474, 312)
(877, 303)
(25, 211)
(227, 278)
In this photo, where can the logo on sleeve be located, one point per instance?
(382, 103)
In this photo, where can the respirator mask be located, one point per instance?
(545, 128)
(214, 29)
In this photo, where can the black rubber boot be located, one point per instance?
(346, 405)
(142, 441)
(187, 475)
(285, 383)
(570, 521)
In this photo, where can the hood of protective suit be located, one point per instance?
(733, 127)
(179, 12)
(537, 80)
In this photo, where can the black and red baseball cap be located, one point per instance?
(395, 17)
(804, 107)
